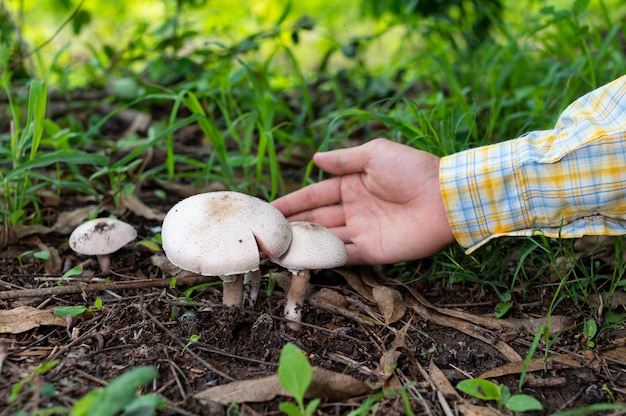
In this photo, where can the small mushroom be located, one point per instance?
(313, 247)
(101, 237)
(224, 234)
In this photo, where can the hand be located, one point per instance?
(384, 203)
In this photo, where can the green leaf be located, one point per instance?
(64, 311)
(590, 328)
(84, 404)
(146, 405)
(523, 403)
(120, 392)
(81, 19)
(294, 371)
(480, 388)
(290, 409)
(74, 271)
(310, 408)
(68, 156)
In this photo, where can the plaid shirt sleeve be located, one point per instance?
(566, 182)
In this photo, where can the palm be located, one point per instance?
(384, 203)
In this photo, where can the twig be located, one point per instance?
(101, 287)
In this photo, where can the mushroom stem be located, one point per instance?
(252, 285)
(104, 260)
(233, 290)
(295, 297)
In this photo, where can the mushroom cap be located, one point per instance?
(223, 233)
(101, 236)
(313, 247)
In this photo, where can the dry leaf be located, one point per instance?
(535, 364)
(390, 303)
(440, 381)
(356, 282)
(68, 220)
(390, 357)
(616, 354)
(23, 318)
(139, 208)
(329, 296)
(464, 326)
(468, 409)
(325, 384)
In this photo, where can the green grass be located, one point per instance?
(270, 85)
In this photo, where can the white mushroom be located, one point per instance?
(312, 247)
(224, 234)
(101, 237)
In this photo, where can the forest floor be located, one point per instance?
(378, 337)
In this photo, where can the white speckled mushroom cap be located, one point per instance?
(313, 247)
(101, 236)
(222, 233)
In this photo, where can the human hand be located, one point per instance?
(384, 203)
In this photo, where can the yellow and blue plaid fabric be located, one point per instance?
(566, 182)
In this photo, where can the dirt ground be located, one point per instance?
(388, 338)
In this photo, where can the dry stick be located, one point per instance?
(101, 287)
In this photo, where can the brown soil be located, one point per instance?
(151, 324)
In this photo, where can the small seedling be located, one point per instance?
(487, 390)
(74, 271)
(295, 375)
(590, 330)
(504, 305)
(192, 340)
(42, 369)
(78, 310)
(40, 255)
(121, 395)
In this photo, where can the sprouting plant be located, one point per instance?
(77, 310)
(74, 271)
(120, 395)
(40, 255)
(487, 390)
(192, 340)
(295, 375)
(29, 380)
(590, 330)
(504, 305)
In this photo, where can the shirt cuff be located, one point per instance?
(512, 189)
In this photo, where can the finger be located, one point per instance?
(343, 161)
(329, 216)
(327, 192)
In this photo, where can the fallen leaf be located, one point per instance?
(356, 282)
(390, 357)
(390, 303)
(24, 318)
(325, 384)
(464, 326)
(68, 220)
(440, 381)
(139, 208)
(330, 296)
(468, 409)
(616, 354)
